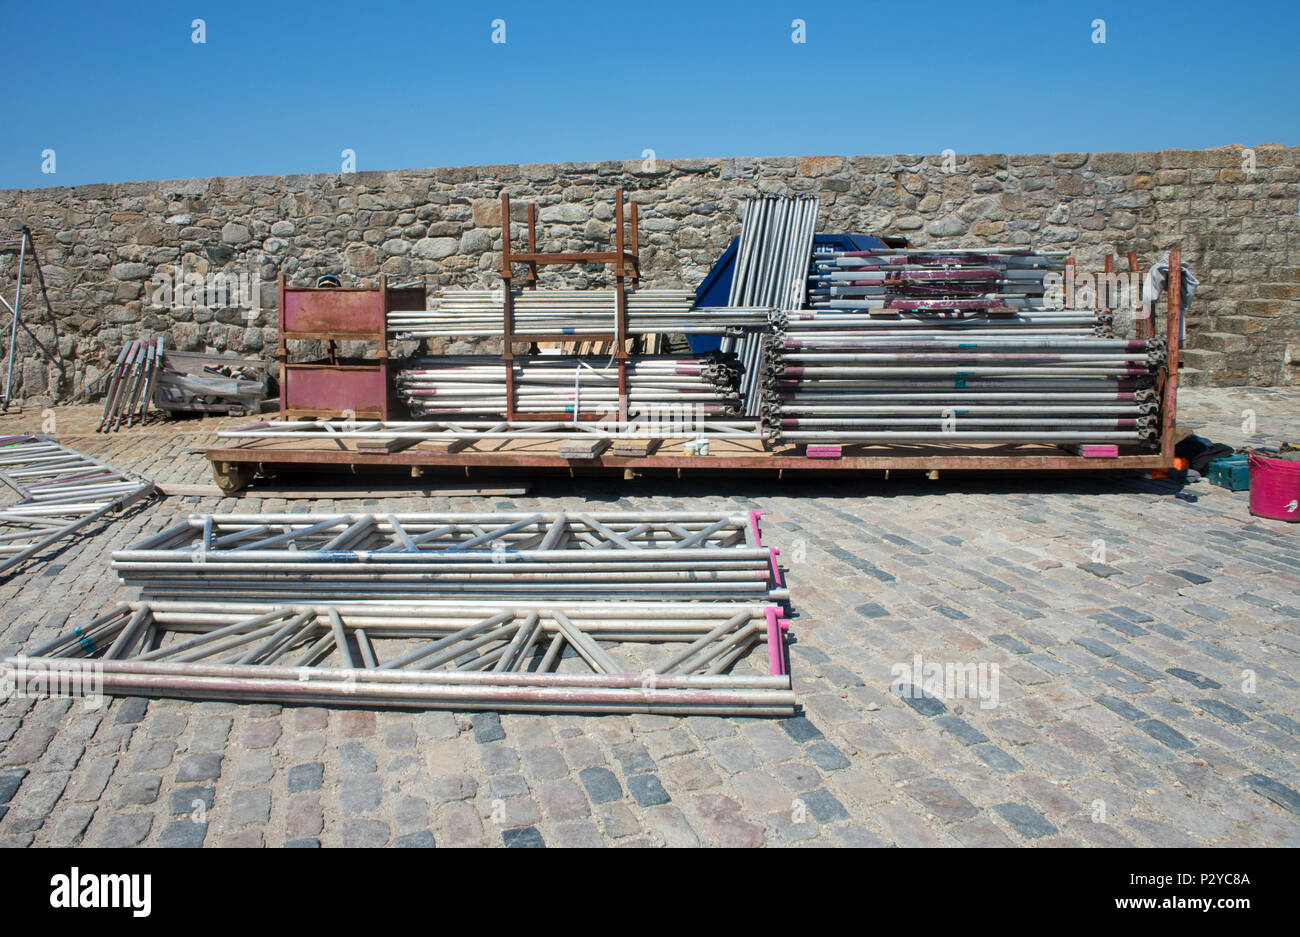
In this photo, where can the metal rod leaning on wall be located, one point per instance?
(24, 240)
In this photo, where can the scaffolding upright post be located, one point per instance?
(1173, 341)
(13, 326)
(508, 307)
(1143, 326)
(620, 306)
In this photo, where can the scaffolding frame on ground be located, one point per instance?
(61, 491)
(665, 555)
(577, 657)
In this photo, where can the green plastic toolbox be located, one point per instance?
(1232, 473)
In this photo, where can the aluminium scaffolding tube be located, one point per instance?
(476, 385)
(770, 269)
(463, 431)
(12, 352)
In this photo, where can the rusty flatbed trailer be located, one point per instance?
(234, 467)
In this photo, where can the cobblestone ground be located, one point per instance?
(1148, 696)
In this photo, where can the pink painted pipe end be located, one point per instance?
(775, 642)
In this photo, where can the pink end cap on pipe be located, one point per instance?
(775, 644)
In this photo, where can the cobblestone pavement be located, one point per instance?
(1147, 650)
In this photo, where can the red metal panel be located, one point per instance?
(339, 313)
(329, 388)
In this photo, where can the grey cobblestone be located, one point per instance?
(360, 793)
(183, 834)
(140, 790)
(306, 777)
(523, 838)
(192, 800)
(249, 807)
(205, 767)
(126, 830)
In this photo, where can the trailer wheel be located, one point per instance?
(231, 477)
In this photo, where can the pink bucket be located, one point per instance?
(1274, 488)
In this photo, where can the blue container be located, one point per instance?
(716, 288)
(1232, 473)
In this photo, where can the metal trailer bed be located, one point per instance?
(236, 465)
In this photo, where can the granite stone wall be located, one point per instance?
(109, 254)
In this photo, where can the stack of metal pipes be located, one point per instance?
(471, 385)
(952, 347)
(665, 657)
(459, 313)
(295, 557)
(771, 270)
(131, 384)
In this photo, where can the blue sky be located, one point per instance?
(120, 92)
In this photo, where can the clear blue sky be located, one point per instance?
(120, 92)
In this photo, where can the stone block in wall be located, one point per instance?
(1203, 359)
(1113, 164)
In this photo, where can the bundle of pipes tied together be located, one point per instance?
(926, 346)
(460, 313)
(704, 384)
(771, 270)
(674, 658)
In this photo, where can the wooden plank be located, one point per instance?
(444, 445)
(636, 448)
(384, 445)
(583, 448)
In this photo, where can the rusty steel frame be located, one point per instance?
(625, 258)
(334, 320)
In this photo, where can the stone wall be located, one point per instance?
(1233, 211)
